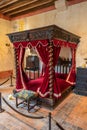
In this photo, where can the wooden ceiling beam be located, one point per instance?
(16, 5)
(34, 11)
(6, 3)
(72, 2)
(29, 7)
(4, 17)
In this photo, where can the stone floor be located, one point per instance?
(71, 114)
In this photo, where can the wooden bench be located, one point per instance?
(6, 74)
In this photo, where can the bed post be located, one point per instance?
(15, 57)
(51, 71)
(16, 61)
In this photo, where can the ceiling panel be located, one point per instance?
(14, 8)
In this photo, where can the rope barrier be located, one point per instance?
(8, 80)
(29, 116)
(13, 77)
(33, 117)
(5, 81)
(58, 125)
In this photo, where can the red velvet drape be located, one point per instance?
(42, 48)
(72, 74)
(43, 90)
(21, 78)
(56, 89)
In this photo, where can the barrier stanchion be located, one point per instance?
(4, 82)
(49, 116)
(11, 81)
(1, 110)
(56, 123)
(49, 120)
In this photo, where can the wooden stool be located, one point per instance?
(26, 96)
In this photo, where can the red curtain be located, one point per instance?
(61, 43)
(21, 77)
(56, 89)
(72, 74)
(35, 43)
(22, 81)
(43, 90)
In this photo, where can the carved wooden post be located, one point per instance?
(16, 60)
(51, 69)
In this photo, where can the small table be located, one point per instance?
(26, 96)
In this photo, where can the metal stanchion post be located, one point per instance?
(57, 124)
(11, 81)
(50, 121)
(1, 110)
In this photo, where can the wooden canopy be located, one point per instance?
(48, 32)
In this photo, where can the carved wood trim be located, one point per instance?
(48, 32)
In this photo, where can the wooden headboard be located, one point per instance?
(63, 65)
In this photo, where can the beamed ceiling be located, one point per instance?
(15, 8)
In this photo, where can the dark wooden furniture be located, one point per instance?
(32, 62)
(47, 32)
(6, 74)
(81, 81)
(32, 66)
(63, 65)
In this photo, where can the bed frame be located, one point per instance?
(48, 33)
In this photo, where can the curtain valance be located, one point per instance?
(56, 42)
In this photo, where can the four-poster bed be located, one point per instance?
(48, 42)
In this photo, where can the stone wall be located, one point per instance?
(6, 48)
